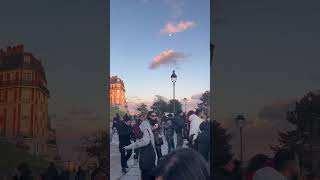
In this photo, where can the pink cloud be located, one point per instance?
(166, 57)
(172, 28)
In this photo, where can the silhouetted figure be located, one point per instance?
(125, 134)
(178, 123)
(204, 140)
(80, 175)
(23, 172)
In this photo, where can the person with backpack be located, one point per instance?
(137, 134)
(147, 157)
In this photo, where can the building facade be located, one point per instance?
(24, 100)
(117, 93)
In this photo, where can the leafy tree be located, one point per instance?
(220, 143)
(205, 102)
(97, 145)
(299, 139)
(143, 109)
(159, 105)
(178, 106)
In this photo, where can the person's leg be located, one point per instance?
(128, 155)
(169, 144)
(179, 140)
(122, 156)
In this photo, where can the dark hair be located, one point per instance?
(184, 163)
(282, 158)
(190, 113)
(149, 114)
(257, 162)
(198, 111)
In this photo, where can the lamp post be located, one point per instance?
(185, 105)
(240, 122)
(174, 79)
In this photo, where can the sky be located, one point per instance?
(70, 37)
(267, 56)
(151, 38)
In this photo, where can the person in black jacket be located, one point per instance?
(178, 124)
(125, 134)
(204, 139)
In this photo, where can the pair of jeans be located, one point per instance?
(170, 144)
(125, 156)
(179, 140)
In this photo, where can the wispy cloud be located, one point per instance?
(166, 57)
(172, 28)
(176, 7)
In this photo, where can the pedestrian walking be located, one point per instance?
(156, 129)
(147, 158)
(125, 135)
(137, 134)
(169, 132)
(115, 122)
(195, 122)
(178, 122)
(203, 139)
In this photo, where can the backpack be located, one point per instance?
(137, 133)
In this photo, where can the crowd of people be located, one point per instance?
(24, 172)
(283, 166)
(146, 134)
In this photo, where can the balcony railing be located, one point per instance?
(25, 83)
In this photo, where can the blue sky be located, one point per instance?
(136, 40)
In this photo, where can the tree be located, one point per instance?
(97, 146)
(221, 144)
(178, 106)
(143, 109)
(299, 139)
(159, 105)
(204, 105)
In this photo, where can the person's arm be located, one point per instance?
(140, 143)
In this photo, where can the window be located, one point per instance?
(27, 59)
(2, 96)
(27, 76)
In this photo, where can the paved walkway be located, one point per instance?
(133, 171)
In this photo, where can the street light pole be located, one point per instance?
(174, 98)
(240, 121)
(185, 105)
(174, 79)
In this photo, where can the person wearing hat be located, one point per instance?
(125, 135)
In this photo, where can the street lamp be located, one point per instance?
(174, 79)
(240, 122)
(185, 105)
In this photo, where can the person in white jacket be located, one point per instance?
(195, 121)
(147, 157)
